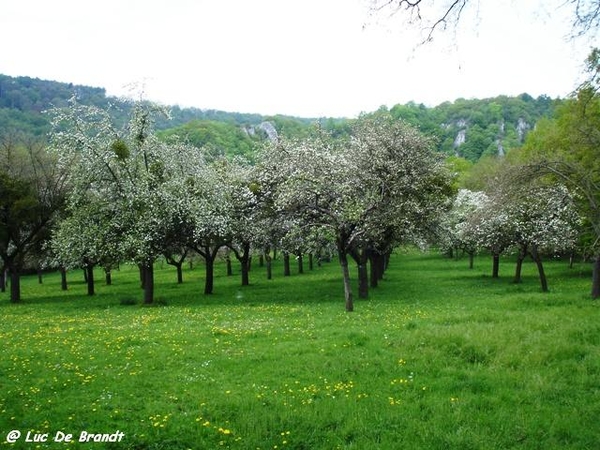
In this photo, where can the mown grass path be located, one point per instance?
(438, 357)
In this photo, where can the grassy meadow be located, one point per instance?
(439, 357)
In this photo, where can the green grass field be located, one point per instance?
(439, 357)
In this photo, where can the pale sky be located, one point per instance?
(307, 58)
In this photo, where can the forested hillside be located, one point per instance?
(467, 128)
(474, 128)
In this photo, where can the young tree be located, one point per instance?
(544, 221)
(89, 235)
(382, 187)
(32, 192)
(310, 181)
(208, 212)
(455, 234)
(243, 210)
(567, 149)
(491, 228)
(406, 184)
(130, 170)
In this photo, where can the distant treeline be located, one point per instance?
(467, 128)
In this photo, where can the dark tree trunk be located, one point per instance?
(244, 258)
(63, 279)
(89, 275)
(39, 275)
(245, 264)
(496, 265)
(108, 276)
(520, 258)
(261, 260)
(228, 265)
(538, 261)
(148, 269)
(15, 285)
(363, 281)
(179, 272)
(286, 264)
(471, 259)
(310, 261)
(209, 282)
(571, 260)
(361, 257)
(346, 275)
(210, 255)
(300, 263)
(2, 280)
(374, 279)
(596, 278)
(378, 264)
(177, 263)
(269, 266)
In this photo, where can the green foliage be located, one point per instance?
(440, 357)
(218, 138)
(566, 149)
(490, 125)
(460, 168)
(120, 149)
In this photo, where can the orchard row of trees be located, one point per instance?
(543, 198)
(540, 220)
(103, 193)
(134, 197)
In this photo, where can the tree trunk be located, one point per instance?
(108, 276)
(286, 264)
(496, 265)
(2, 280)
(596, 278)
(269, 266)
(571, 260)
(346, 275)
(39, 275)
(300, 263)
(310, 261)
(209, 282)
(228, 265)
(63, 279)
(15, 285)
(179, 268)
(361, 257)
(471, 259)
(538, 261)
(363, 281)
(245, 265)
(148, 268)
(89, 276)
(519, 267)
(244, 259)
